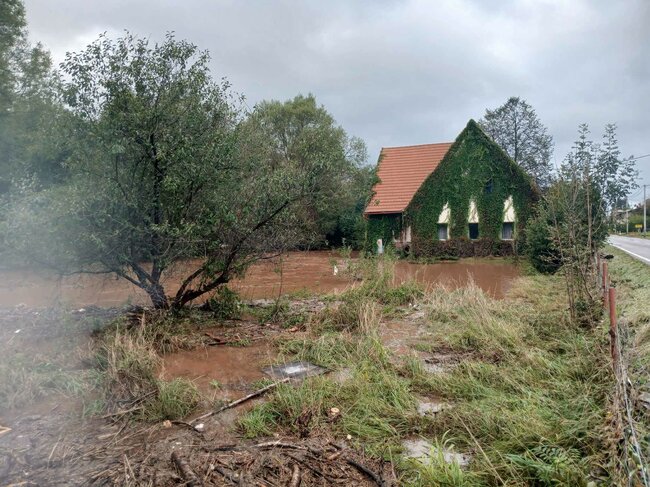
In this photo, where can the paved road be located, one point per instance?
(636, 247)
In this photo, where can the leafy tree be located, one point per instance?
(163, 166)
(517, 129)
(572, 223)
(301, 130)
(29, 106)
(350, 224)
(12, 34)
(615, 176)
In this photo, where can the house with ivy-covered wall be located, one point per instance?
(465, 198)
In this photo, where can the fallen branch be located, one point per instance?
(122, 413)
(334, 455)
(222, 341)
(188, 474)
(295, 476)
(310, 467)
(367, 471)
(233, 404)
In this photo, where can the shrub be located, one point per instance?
(224, 304)
(462, 247)
(539, 247)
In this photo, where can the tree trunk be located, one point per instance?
(158, 297)
(184, 297)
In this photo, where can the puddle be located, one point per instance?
(294, 370)
(223, 371)
(301, 271)
(423, 450)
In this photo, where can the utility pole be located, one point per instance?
(644, 212)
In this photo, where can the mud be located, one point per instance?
(400, 335)
(310, 272)
(51, 443)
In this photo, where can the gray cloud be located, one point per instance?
(404, 72)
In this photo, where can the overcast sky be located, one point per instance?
(404, 72)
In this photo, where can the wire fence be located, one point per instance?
(634, 464)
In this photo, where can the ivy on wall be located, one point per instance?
(383, 227)
(474, 168)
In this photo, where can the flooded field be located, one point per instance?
(312, 272)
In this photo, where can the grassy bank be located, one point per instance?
(632, 281)
(529, 391)
(526, 394)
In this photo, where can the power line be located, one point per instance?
(640, 157)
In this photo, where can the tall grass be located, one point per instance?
(632, 281)
(377, 291)
(530, 395)
(376, 405)
(529, 390)
(129, 361)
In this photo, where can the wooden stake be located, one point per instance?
(613, 328)
(605, 284)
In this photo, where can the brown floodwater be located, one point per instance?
(222, 371)
(312, 272)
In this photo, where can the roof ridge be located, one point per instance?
(416, 145)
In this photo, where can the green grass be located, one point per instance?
(532, 391)
(376, 404)
(129, 360)
(529, 394)
(436, 471)
(175, 399)
(632, 281)
(27, 378)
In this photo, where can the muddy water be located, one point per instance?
(493, 276)
(221, 371)
(297, 271)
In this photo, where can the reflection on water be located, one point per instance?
(310, 271)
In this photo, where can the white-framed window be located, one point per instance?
(507, 231)
(473, 231)
(443, 231)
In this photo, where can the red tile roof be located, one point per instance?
(402, 170)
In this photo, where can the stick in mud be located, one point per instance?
(362, 468)
(185, 470)
(252, 395)
(295, 476)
